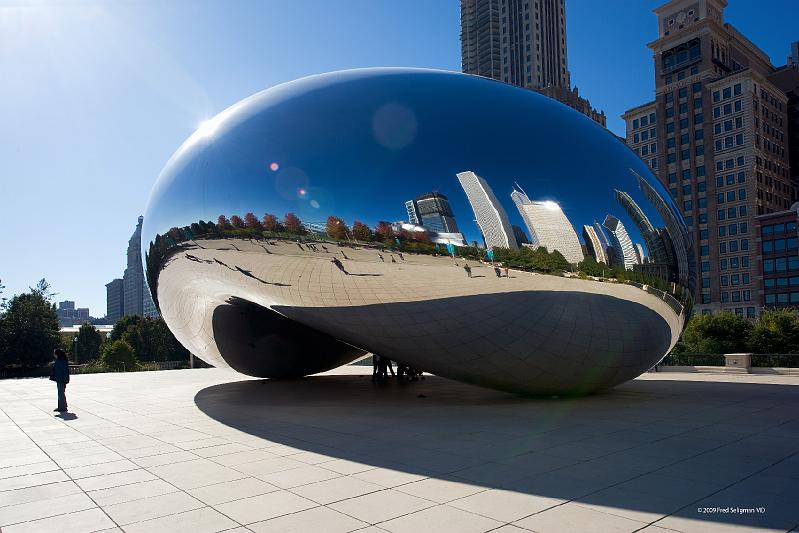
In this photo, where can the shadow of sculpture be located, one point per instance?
(645, 450)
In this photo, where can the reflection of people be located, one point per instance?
(344, 255)
(468, 270)
(336, 262)
(60, 375)
(375, 367)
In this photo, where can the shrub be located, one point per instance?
(118, 356)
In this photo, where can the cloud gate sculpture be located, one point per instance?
(375, 210)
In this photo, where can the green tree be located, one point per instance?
(361, 231)
(29, 329)
(121, 326)
(155, 342)
(88, 346)
(718, 333)
(776, 331)
(119, 356)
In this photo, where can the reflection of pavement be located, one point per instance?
(202, 450)
(552, 328)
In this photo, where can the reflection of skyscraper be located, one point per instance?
(413, 212)
(621, 243)
(640, 251)
(435, 213)
(518, 233)
(654, 244)
(137, 299)
(549, 226)
(491, 217)
(594, 245)
(683, 253)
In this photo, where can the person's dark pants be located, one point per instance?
(62, 396)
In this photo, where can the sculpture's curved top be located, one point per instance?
(424, 160)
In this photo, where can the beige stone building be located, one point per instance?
(521, 42)
(716, 137)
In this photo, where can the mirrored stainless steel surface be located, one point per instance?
(366, 211)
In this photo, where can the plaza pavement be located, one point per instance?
(210, 450)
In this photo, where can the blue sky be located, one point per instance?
(97, 95)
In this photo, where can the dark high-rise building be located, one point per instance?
(435, 213)
(115, 300)
(519, 235)
(717, 137)
(136, 297)
(521, 42)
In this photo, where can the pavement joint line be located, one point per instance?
(725, 487)
(743, 437)
(62, 471)
(177, 489)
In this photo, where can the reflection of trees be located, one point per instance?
(382, 237)
(532, 260)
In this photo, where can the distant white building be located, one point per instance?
(625, 252)
(595, 245)
(548, 226)
(640, 250)
(491, 217)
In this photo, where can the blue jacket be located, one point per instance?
(60, 371)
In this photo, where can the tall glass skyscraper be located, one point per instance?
(435, 213)
(137, 299)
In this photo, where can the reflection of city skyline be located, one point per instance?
(548, 226)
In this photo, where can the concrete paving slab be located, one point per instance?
(211, 450)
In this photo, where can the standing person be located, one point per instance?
(381, 368)
(375, 367)
(60, 375)
(506, 272)
(497, 272)
(400, 256)
(381, 257)
(338, 264)
(392, 259)
(468, 270)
